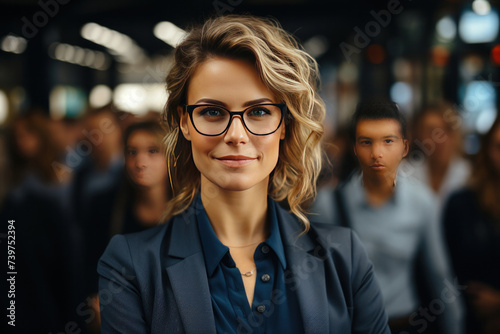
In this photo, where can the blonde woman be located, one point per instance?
(244, 127)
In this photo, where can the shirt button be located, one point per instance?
(265, 278)
(261, 308)
(265, 249)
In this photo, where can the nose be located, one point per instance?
(377, 151)
(236, 134)
(140, 161)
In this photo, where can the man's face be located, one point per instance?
(380, 147)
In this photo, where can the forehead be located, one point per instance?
(432, 117)
(142, 137)
(378, 128)
(229, 80)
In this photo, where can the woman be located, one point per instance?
(230, 259)
(145, 192)
(438, 138)
(472, 229)
(47, 252)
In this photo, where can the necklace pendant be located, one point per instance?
(248, 273)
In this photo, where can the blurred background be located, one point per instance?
(64, 56)
(66, 60)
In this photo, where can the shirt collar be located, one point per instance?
(360, 193)
(214, 250)
(274, 240)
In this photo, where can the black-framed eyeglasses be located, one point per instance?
(213, 120)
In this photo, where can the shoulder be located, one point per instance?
(415, 191)
(459, 201)
(461, 196)
(333, 241)
(340, 241)
(131, 247)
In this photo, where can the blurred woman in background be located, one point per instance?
(437, 135)
(146, 191)
(472, 229)
(48, 242)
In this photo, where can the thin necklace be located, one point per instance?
(244, 246)
(248, 273)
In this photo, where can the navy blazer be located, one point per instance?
(155, 281)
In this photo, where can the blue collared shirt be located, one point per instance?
(275, 308)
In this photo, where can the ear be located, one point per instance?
(184, 120)
(354, 149)
(407, 147)
(283, 131)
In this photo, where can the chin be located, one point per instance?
(237, 183)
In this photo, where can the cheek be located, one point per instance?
(129, 164)
(160, 164)
(362, 153)
(202, 146)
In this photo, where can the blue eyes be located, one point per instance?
(220, 112)
(212, 112)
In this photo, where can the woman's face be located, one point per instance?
(436, 137)
(494, 150)
(144, 160)
(235, 160)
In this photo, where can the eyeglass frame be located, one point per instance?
(189, 108)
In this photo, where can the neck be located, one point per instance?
(379, 187)
(237, 217)
(154, 197)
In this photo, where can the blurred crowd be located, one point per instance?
(71, 184)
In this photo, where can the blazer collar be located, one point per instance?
(186, 270)
(306, 272)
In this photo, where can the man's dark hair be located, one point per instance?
(375, 110)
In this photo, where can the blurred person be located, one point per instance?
(145, 192)
(31, 147)
(472, 230)
(244, 123)
(396, 219)
(48, 241)
(98, 163)
(437, 136)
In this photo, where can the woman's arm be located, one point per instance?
(119, 296)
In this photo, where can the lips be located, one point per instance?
(236, 160)
(377, 166)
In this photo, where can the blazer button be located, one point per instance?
(265, 249)
(261, 308)
(265, 278)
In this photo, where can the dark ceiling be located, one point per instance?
(333, 19)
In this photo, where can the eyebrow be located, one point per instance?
(385, 137)
(246, 104)
(129, 147)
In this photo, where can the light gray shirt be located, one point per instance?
(393, 234)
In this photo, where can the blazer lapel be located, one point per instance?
(188, 276)
(306, 272)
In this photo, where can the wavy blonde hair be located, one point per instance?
(287, 70)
